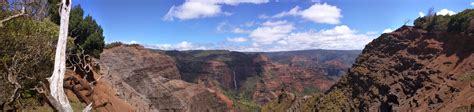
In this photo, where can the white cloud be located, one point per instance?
(322, 13)
(338, 30)
(445, 12)
(133, 42)
(271, 31)
(222, 26)
(421, 14)
(388, 30)
(263, 16)
(237, 39)
(293, 12)
(125, 42)
(240, 30)
(318, 13)
(184, 45)
(193, 9)
(248, 24)
(340, 37)
(282, 36)
(472, 3)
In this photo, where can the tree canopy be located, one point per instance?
(461, 22)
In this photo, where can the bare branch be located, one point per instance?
(13, 16)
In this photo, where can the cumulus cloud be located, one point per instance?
(388, 30)
(472, 3)
(237, 39)
(193, 9)
(445, 12)
(280, 36)
(283, 36)
(223, 27)
(340, 37)
(184, 45)
(318, 13)
(421, 14)
(271, 31)
(240, 30)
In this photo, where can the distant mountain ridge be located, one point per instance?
(237, 80)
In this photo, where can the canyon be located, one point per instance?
(218, 80)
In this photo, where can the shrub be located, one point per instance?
(27, 48)
(113, 44)
(87, 34)
(462, 21)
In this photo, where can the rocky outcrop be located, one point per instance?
(412, 70)
(409, 69)
(150, 81)
(217, 80)
(261, 76)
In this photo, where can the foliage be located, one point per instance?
(468, 76)
(281, 104)
(30, 44)
(433, 23)
(87, 34)
(334, 101)
(113, 44)
(241, 103)
(53, 11)
(460, 22)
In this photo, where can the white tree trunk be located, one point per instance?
(57, 79)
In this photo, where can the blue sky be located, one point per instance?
(257, 25)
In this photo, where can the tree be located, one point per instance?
(57, 79)
(87, 34)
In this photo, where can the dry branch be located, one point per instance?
(57, 79)
(13, 16)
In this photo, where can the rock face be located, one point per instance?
(259, 77)
(150, 81)
(217, 80)
(409, 69)
(427, 67)
(412, 70)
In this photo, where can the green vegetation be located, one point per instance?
(242, 101)
(87, 34)
(28, 45)
(460, 22)
(113, 44)
(468, 76)
(26, 53)
(281, 104)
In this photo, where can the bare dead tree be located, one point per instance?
(406, 22)
(430, 12)
(57, 79)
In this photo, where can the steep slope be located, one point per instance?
(332, 62)
(216, 79)
(254, 79)
(150, 81)
(410, 69)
